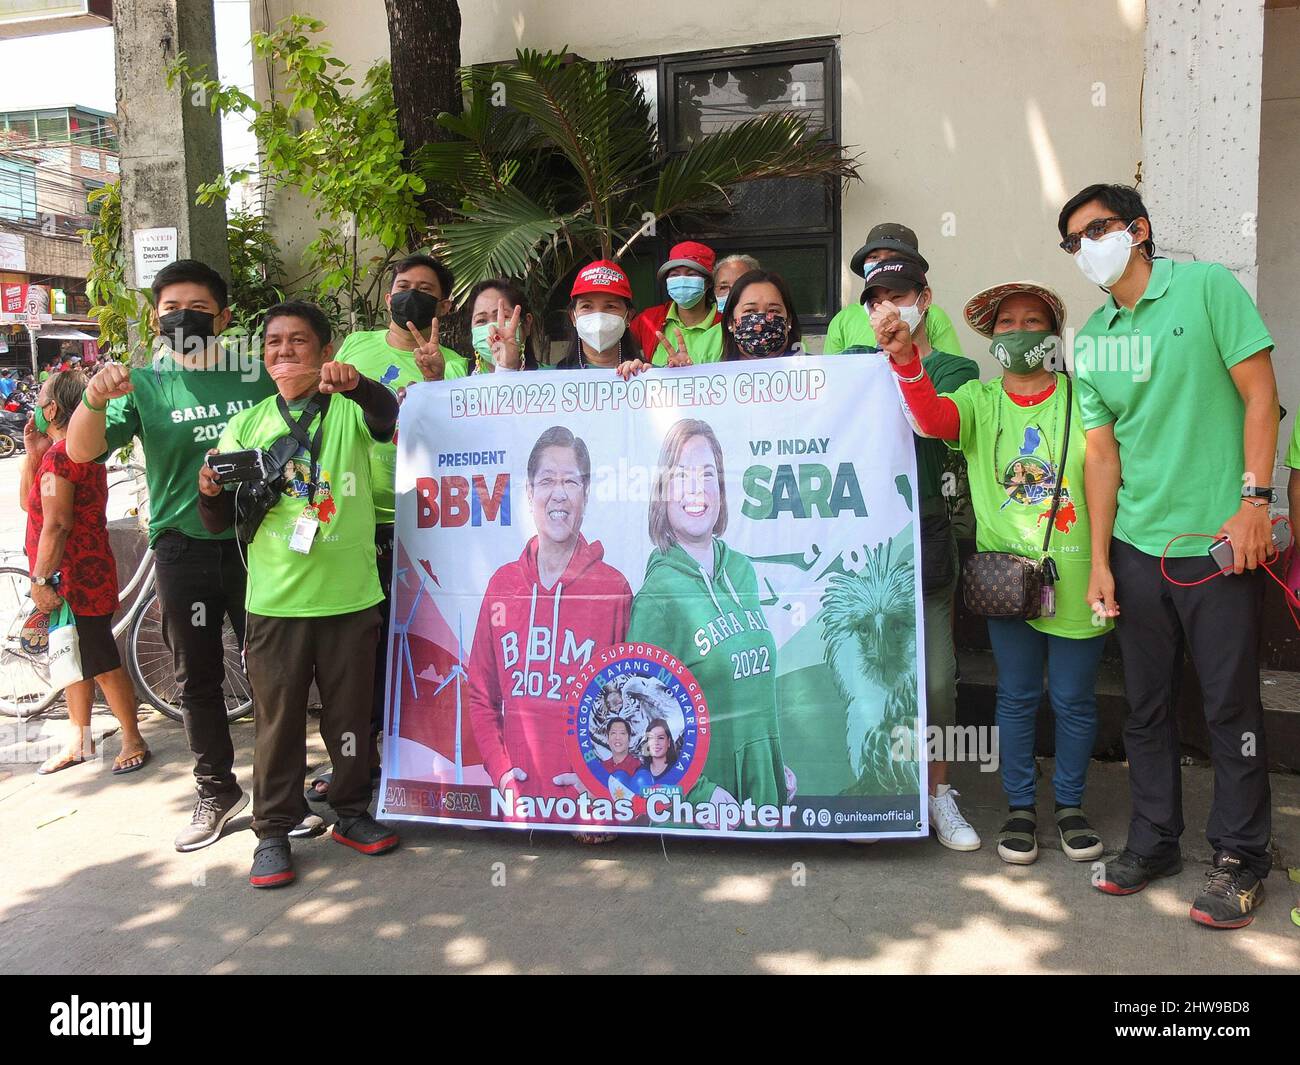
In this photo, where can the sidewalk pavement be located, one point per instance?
(92, 884)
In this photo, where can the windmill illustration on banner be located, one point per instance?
(457, 672)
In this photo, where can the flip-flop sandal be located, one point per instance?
(66, 762)
(121, 770)
(315, 794)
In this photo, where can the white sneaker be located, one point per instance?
(951, 829)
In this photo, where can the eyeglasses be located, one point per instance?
(1094, 230)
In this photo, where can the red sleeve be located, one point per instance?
(58, 463)
(931, 414)
(485, 694)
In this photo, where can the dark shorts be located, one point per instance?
(98, 648)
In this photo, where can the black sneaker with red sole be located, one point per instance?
(1128, 872)
(272, 863)
(1231, 894)
(365, 834)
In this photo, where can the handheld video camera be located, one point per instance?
(258, 479)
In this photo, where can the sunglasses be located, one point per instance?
(1094, 230)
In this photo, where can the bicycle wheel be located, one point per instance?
(24, 674)
(149, 661)
(7, 445)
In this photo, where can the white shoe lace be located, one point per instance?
(945, 806)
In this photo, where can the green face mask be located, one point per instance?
(42, 422)
(1024, 351)
(479, 338)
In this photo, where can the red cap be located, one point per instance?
(602, 276)
(690, 253)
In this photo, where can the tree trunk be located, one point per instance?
(424, 43)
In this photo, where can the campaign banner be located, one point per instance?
(688, 603)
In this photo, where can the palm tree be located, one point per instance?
(557, 161)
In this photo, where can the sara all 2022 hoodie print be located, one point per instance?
(716, 627)
(520, 670)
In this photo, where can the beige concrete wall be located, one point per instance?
(998, 110)
(1279, 205)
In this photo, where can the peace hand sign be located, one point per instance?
(503, 338)
(677, 356)
(428, 353)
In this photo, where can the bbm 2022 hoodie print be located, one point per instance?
(716, 628)
(529, 646)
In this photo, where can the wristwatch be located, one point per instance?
(52, 581)
(1252, 494)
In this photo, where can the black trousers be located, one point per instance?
(384, 559)
(1219, 623)
(284, 656)
(200, 584)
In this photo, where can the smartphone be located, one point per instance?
(236, 466)
(1221, 552)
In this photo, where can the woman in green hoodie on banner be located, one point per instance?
(699, 601)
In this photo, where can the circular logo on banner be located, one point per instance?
(638, 724)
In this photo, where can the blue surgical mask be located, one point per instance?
(722, 301)
(686, 290)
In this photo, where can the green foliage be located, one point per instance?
(255, 271)
(336, 143)
(114, 306)
(558, 162)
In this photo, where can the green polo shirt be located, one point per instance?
(1159, 374)
(851, 328)
(377, 359)
(703, 341)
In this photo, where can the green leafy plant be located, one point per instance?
(558, 162)
(335, 142)
(113, 305)
(256, 271)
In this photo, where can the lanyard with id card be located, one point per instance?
(308, 524)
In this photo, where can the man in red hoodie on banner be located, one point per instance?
(542, 618)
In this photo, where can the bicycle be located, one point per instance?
(24, 670)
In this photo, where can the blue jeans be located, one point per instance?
(1020, 651)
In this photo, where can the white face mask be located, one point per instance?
(599, 330)
(1104, 260)
(912, 315)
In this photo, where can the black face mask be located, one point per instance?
(412, 305)
(187, 332)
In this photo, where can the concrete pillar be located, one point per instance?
(1200, 129)
(169, 144)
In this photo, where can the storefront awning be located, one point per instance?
(62, 332)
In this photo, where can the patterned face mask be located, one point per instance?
(759, 335)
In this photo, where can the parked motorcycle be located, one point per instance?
(11, 432)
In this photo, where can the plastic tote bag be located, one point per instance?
(65, 648)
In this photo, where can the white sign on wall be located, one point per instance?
(154, 249)
(13, 252)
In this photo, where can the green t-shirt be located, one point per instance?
(1159, 373)
(1293, 452)
(703, 341)
(375, 358)
(339, 575)
(178, 414)
(947, 373)
(1012, 454)
(851, 328)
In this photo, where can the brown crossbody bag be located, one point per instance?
(999, 584)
